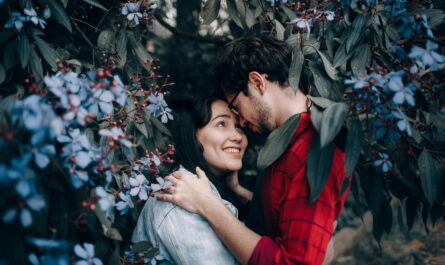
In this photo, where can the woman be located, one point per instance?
(208, 137)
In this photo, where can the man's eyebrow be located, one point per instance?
(221, 116)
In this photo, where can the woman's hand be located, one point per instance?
(189, 192)
(233, 184)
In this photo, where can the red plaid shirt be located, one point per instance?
(298, 232)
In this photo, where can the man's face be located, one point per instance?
(252, 111)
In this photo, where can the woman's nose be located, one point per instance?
(236, 135)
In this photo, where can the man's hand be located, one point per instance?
(189, 192)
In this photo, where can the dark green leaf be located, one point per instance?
(233, 13)
(64, 3)
(294, 40)
(353, 146)
(121, 47)
(341, 56)
(321, 102)
(361, 60)
(142, 128)
(436, 20)
(10, 58)
(210, 11)
(142, 246)
(288, 31)
(332, 122)
(430, 176)
(319, 163)
(95, 3)
(295, 68)
(48, 53)
(411, 209)
(5, 36)
(139, 51)
(329, 68)
(105, 40)
(277, 142)
(344, 185)
(36, 65)
(59, 14)
(23, 49)
(356, 32)
(289, 13)
(158, 125)
(2, 73)
(316, 117)
(322, 82)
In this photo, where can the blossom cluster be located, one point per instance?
(17, 20)
(139, 12)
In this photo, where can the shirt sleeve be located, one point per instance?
(190, 240)
(304, 230)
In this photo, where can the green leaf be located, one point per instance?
(139, 50)
(210, 11)
(48, 53)
(356, 32)
(23, 49)
(36, 65)
(158, 125)
(95, 3)
(436, 20)
(142, 128)
(319, 163)
(105, 40)
(430, 176)
(296, 68)
(332, 122)
(121, 47)
(10, 55)
(353, 146)
(316, 117)
(233, 13)
(279, 29)
(322, 82)
(141, 246)
(5, 36)
(64, 3)
(59, 14)
(277, 142)
(330, 69)
(321, 102)
(2, 73)
(289, 13)
(361, 59)
(341, 56)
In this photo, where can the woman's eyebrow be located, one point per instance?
(221, 116)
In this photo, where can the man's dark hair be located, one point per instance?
(263, 54)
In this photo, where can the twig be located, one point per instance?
(195, 37)
(83, 34)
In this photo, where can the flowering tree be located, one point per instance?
(82, 114)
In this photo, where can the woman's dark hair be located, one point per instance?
(189, 117)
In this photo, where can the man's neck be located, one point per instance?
(289, 103)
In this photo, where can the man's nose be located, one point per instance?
(243, 122)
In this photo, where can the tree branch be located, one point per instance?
(195, 37)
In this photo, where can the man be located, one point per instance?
(253, 75)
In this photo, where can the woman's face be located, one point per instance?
(223, 140)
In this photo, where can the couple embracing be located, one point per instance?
(195, 221)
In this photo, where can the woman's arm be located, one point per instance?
(196, 196)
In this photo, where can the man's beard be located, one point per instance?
(263, 116)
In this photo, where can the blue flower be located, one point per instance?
(395, 7)
(117, 135)
(19, 169)
(139, 186)
(131, 11)
(119, 91)
(43, 154)
(101, 102)
(87, 255)
(124, 205)
(74, 141)
(158, 107)
(383, 162)
(106, 201)
(16, 21)
(402, 93)
(162, 184)
(31, 15)
(428, 56)
(272, 2)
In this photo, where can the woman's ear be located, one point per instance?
(257, 82)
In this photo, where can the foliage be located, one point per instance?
(80, 150)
